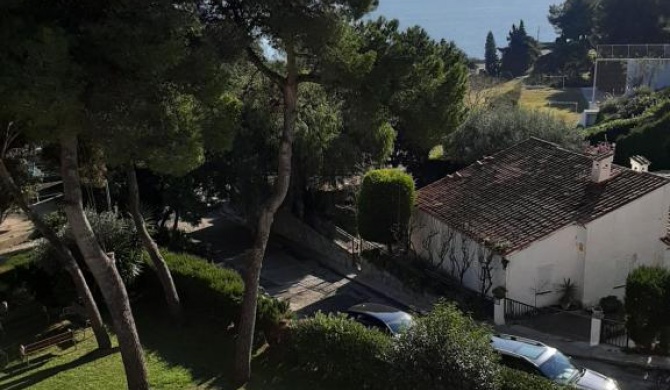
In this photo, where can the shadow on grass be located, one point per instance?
(200, 345)
(205, 348)
(32, 379)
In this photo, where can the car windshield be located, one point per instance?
(559, 369)
(401, 324)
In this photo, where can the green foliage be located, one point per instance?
(340, 350)
(622, 21)
(573, 19)
(118, 235)
(492, 62)
(611, 305)
(638, 124)
(385, 205)
(114, 234)
(520, 54)
(489, 130)
(24, 276)
(519, 380)
(446, 350)
(647, 290)
(416, 83)
(207, 288)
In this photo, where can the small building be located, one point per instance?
(535, 215)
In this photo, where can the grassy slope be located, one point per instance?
(542, 99)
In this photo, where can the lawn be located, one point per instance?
(567, 104)
(197, 356)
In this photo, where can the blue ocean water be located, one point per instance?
(467, 22)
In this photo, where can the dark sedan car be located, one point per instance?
(385, 318)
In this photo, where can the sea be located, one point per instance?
(466, 22)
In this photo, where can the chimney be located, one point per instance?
(639, 164)
(602, 156)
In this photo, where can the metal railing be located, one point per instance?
(614, 333)
(515, 310)
(641, 51)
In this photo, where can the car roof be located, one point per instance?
(381, 312)
(531, 350)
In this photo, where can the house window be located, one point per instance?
(543, 280)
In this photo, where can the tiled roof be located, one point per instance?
(527, 192)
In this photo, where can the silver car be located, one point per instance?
(385, 318)
(540, 359)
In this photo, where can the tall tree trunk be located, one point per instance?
(162, 270)
(254, 260)
(103, 269)
(64, 256)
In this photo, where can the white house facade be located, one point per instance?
(536, 215)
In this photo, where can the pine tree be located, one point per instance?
(520, 53)
(492, 62)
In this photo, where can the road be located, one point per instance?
(310, 287)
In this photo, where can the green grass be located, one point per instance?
(566, 104)
(14, 260)
(197, 356)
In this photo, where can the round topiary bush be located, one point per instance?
(385, 205)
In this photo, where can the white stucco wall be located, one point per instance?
(654, 74)
(622, 240)
(535, 273)
(434, 249)
(596, 257)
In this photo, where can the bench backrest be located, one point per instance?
(54, 340)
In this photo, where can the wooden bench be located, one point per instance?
(31, 349)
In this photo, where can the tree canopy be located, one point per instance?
(520, 53)
(492, 62)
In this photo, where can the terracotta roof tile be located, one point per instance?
(529, 191)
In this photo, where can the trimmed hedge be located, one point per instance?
(206, 287)
(385, 205)
(340, 350)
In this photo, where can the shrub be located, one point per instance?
(114, 234)
(341, 350)
(208, 288)
(445, 350)
(385, 205)
(646, 293)
(180, 241)
(518, 380)
(611, 305)
(118, 235)
(492, 129)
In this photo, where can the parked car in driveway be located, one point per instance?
(540, 359)
(377, 316)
